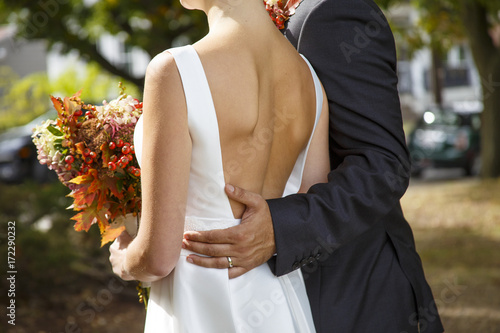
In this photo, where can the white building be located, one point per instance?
(23, 57)
(461, 81)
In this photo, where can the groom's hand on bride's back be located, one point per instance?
(249, 244)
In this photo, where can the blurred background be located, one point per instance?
(449, 71)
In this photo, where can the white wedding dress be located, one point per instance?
(201, 300)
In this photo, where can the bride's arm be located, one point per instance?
(317, 161)
(166, 156)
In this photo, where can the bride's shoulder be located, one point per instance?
(161, 66)
(163, 84)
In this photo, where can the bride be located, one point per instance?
(240, 105)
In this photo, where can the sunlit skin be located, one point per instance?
(259, 85)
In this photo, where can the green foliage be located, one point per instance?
(52, 260)
(37, 251)
(27, 98)
(441, 22)
(439, 25)
(33, 201)
(152, 25)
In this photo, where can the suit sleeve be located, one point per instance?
(351, 47)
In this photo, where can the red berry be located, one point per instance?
(112, 166)
(92, 154)
(78, 113)
(112, 145)
(68, 167)
(85, 169)
(131, 169)
(126, 149)
(86, 152)
(113, 158)
(132, 149)
(89, 114)
(137, 172)
(69, 159)
(89, 160)
(119, 143)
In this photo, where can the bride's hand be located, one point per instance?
(118, 252)
(249, 244)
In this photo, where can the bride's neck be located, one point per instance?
(236, 15)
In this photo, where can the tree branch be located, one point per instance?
(89, 50)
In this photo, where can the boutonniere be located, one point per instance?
(281, 10)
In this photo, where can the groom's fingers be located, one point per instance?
(217, 236)
(250, 199)
(211, 250)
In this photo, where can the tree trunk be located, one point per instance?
(490, 125)
(437, 76)
(487, 59)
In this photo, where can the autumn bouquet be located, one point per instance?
(90, 148)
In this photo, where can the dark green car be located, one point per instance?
(446, 138)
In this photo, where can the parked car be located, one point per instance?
(18, 158)
(447, 137)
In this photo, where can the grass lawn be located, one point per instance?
(65, 283)
(457, 231)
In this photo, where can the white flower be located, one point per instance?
(121, 111)
(271, 2)
(44, 140)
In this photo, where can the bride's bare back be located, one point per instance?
(265, 101)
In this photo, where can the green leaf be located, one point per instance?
(58, 144)
(55, 131)
(119, 184)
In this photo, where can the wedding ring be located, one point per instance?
(230, 262)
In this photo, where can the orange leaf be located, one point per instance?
(82, 179)
(110, 234)
(106, 154)
(96, 185)
(111, 183)
(83, 221)
(89, 198)
(89, 216)
(80, 147)
(57, 105)
(79, 199)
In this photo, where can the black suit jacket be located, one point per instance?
(350, 237)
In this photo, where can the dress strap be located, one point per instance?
(194, 80)
(206, 189)
(295, 179)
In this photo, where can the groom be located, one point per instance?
(349, 236)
